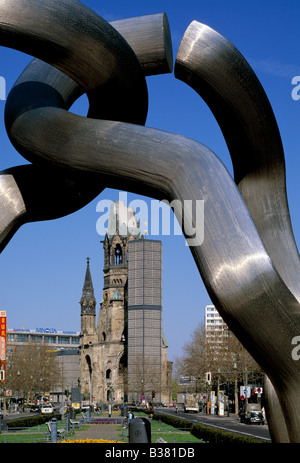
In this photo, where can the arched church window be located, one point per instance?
(103, 336)
(89, 364)
(108, 374)
(122, 364)
(118, 255)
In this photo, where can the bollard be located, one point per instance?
(67, 423)
(53, 430)
(88, 415)
(139, 431)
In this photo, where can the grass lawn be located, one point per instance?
(164, 431)
(22, 438)
(159, 430)
(35, 434)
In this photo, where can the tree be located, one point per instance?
(32, 369)
(175, 389)
(144, 377)
(220, 353)
(193, 362)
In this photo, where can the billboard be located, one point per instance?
(2, 345)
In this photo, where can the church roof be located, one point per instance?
(164, 339)
(88, 288)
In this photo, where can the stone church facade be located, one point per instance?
(118, 351)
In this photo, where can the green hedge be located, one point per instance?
(208, 434)
(173, 421)
(28, 422)
(218, 436)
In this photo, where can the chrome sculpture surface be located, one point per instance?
(253, 278)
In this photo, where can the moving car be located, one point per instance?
(47, 409)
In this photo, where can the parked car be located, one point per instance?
(254, 418)
(35, 408)
(251, 413)
(47, 409)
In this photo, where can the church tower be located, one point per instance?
(127, 327)
(87, 334)
(88, 304)
(112, 321)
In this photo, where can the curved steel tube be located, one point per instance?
(240, 277)
(275, 417)
(31, 193)
(150, 38)
(89, 50)
(42, 195)
(207, 62)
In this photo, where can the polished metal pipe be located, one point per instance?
(77, 41)
(150, 38)
(31, 193)
(217, 71)
(275, 418)
(90, 51)
(41, 193)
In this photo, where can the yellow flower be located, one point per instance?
(90, 441)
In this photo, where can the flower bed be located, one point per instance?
(106, 420)
(90, 441)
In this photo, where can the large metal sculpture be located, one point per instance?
(253, 277)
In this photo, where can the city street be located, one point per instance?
(227, 423)
(9, 416)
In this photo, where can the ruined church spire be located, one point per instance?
(88, 301)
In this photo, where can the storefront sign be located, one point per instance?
(2, 345)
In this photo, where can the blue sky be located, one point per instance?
(42, 268)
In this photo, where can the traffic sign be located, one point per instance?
(245, 391)
(258, 390)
